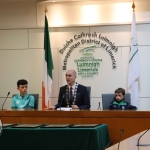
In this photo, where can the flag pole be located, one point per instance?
(134, 70)
(45, 10)
(47, 66)
(133, 5)
(44, 80)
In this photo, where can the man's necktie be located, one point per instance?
(70, 96)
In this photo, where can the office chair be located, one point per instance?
(36, 102)
(108, 98)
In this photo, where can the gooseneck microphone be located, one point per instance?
(99, 106)
(121, 132)
(61, 101)
(5, 100)
(139, 140)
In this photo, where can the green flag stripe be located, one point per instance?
(133, 56)
(47, 48)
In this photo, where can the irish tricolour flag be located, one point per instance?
(134, 71)
(47, 68)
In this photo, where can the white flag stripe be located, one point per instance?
(47, 83)
(134, 71)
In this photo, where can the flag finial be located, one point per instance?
(46, 10)
(133, 5)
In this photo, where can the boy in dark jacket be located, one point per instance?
(119, 102)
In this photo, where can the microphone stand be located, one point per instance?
(121, 132)
(99, 106)
(139, 140)
(5, 100)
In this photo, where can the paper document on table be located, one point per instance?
(56, 126)
(27, 126)
(84, 125)
(64, 108)
(8, 125)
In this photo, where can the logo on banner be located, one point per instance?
(87, 64)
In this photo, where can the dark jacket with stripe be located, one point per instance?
(121, 105)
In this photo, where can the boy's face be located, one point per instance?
(23, 89)
(119, 96)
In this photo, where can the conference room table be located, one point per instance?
(132, 121)
(55, 138)
(131, 142)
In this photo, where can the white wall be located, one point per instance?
(21, 51)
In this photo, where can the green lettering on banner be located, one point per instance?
(87, 65)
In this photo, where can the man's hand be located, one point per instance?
(74, 107)
(50, 108)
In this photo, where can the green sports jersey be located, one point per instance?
(25, 102)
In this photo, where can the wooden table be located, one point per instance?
(132, 122)
(130, 143)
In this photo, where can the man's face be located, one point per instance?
(23, 88)
(70, 77)
(119, 96)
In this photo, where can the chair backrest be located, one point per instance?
(36, 102)
(89, 91)
(108, 98)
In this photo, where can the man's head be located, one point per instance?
(70, 77)
(22, 86)
(119, 94)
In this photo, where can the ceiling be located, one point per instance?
(90, 0)
(74, 0)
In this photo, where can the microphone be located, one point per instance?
(61, 101)
(99, 106)
(139, 140)
(121, 132)
(5, 100)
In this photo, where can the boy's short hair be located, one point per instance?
(120, 90)
(22, 82)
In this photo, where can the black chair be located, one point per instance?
(89, 91)
(36, 102)
(108, 98)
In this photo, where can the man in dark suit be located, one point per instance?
(73, 94)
